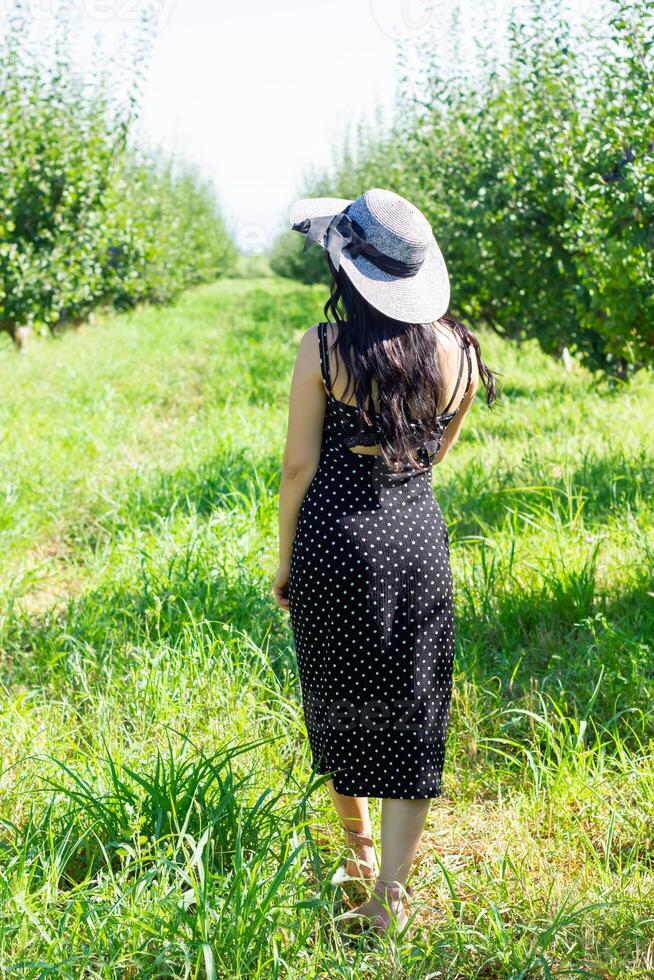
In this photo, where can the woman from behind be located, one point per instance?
(378, 397)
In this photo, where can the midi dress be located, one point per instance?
(370, 598)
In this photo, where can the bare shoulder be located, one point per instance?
(310, 332)
(308, 357)
(448, 341)
(450, 352)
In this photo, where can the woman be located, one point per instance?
(377, 397)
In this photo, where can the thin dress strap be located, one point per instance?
(324, 356)
(464, 347)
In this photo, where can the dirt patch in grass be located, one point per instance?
(48, 578)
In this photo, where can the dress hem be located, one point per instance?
(376, 795)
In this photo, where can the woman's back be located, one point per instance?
(455, 365)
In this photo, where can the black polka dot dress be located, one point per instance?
(370, 602)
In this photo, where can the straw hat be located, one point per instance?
(386, 247)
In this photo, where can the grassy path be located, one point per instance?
(157, 818)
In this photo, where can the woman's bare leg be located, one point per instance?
(402, 824)
(354, 815)
(352, 810)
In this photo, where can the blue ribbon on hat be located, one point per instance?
(336, 232)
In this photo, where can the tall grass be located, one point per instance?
(159, 817)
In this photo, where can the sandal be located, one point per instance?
(362, 866)
(385, 909)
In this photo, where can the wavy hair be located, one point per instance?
(402, 359)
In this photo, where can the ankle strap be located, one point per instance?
(359, 836)
(391, 889)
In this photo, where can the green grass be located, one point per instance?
(158, 818)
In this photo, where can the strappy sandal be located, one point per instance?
(393, 914)
(359, 867)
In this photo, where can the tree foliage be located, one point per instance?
(537, 174)
(86, 217)
(287, 258)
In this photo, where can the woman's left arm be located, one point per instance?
(306, 412)
(453, 430)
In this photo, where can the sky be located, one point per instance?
(257, 91)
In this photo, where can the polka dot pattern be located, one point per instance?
(371, 608)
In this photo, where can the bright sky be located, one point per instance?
(256, 91)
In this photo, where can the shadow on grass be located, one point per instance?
(528, 640)
(232, 479)
(477, 499)
(192, 602)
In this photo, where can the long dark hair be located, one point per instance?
(402, 359)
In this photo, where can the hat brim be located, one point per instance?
(317, 207)
(422, 298)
